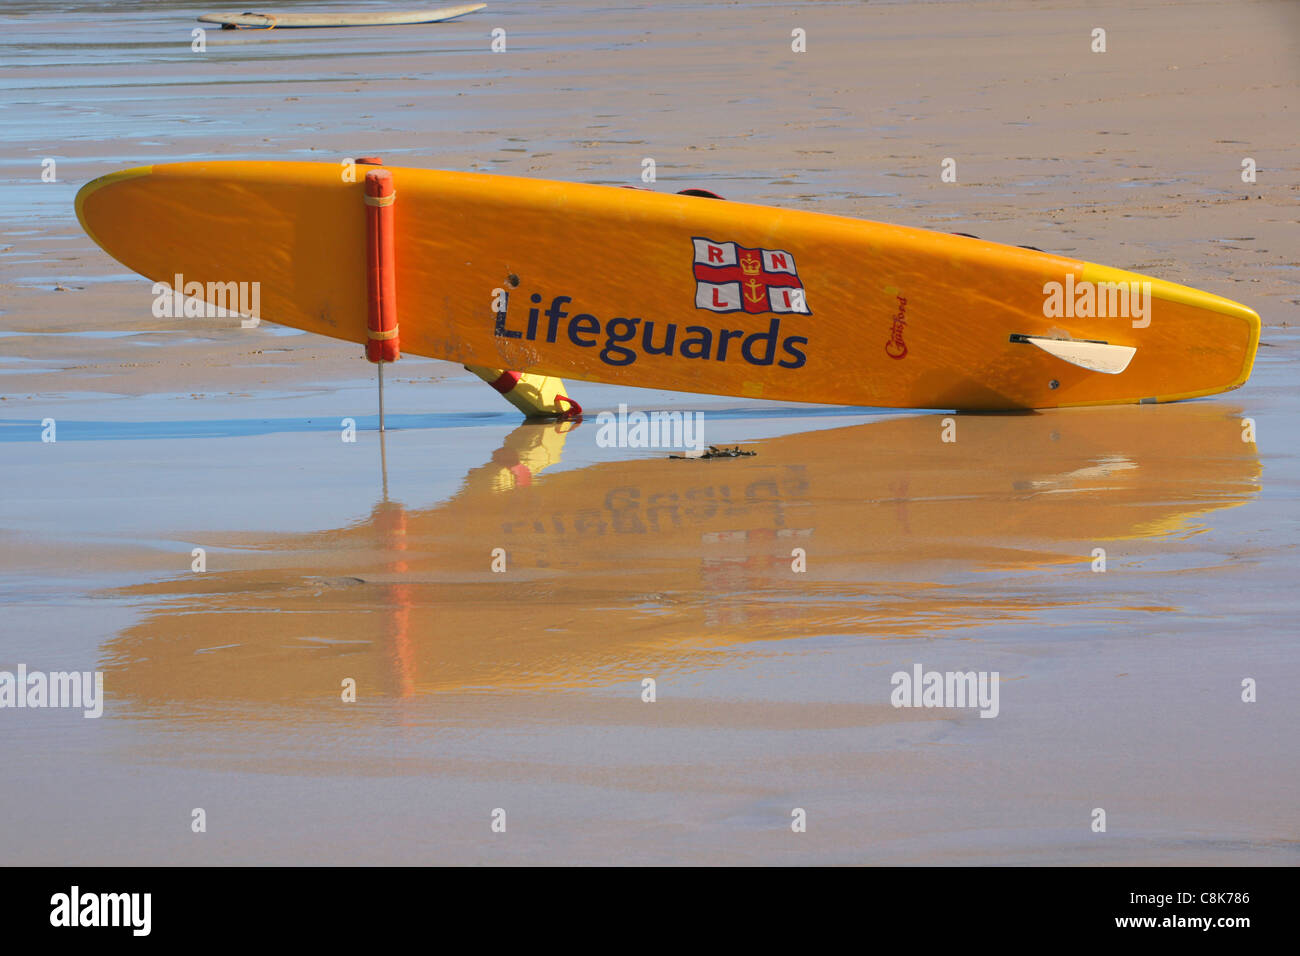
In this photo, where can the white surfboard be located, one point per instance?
(291, 21)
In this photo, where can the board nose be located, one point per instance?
(93, 220)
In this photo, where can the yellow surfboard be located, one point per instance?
(687, 293)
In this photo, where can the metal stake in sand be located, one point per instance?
(381, 275)
(383, 458)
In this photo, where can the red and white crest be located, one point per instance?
(733, 278)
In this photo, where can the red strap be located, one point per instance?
(381, 270)
(574, 411)
(507, 381)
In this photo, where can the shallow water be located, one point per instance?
(328, 560)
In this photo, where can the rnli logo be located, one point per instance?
(732, 278)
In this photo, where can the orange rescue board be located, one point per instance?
(677, 292)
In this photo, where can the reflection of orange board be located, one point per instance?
(678, 292)
(635, 562)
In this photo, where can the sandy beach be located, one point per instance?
(523, 689)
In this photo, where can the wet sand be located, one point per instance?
(522, 690)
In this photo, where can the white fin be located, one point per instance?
(1094, 356)
(1105, 468)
